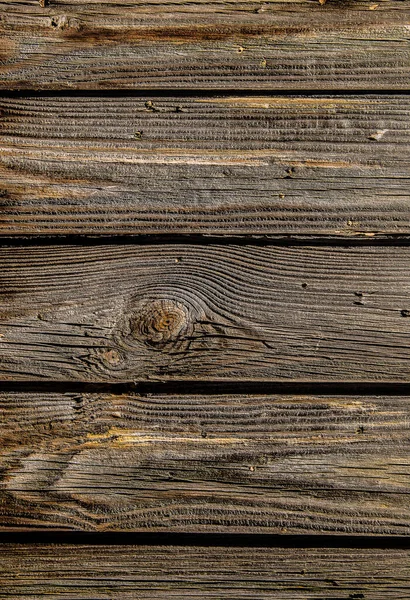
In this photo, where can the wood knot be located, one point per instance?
(112, 357)
(159, 322)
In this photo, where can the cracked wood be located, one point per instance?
(119, 313)
(334, 166)
(293, 44)
(205, 463)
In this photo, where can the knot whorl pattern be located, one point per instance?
(159, 322)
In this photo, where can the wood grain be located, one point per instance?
(241, 463)
(334, 166)
(124, 313)
(288, 44)
(106, 572)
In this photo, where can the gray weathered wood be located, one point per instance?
(223, 166)
(292, 44)
(125, 573)
(192, 312)
(245, 463)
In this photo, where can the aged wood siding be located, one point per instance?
(103, 572)
(296, 44)
(243, 463)
(217, 312)
(204, 299)
(205, 165)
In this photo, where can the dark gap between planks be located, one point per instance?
(186, 387)
(374, 239)
(232, 540)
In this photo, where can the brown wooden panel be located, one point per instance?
(224, 166)
(242, 463)
(293, 44)
(107, 572)
(192, 312)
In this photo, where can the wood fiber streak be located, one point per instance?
(160, 573)
(221, 166)
(293, 44)
(216, 312)
(243, 463)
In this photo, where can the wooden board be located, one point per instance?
(290, 44)
(334, 166)
(105, 572)
(238, 463)
(124, 313)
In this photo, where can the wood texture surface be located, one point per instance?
(241, 463)
(120, 313)
(160, 573)
(293, 44)
(221, 166)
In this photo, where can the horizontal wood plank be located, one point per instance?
(336, 166)
(241, 463)
(288, 44)
(105, 572)
(124, 313)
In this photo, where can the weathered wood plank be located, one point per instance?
(242, 463)
(292, 44)
(223, 166)
(106, 572)
(192, 312)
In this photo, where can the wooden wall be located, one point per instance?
(204, 299)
